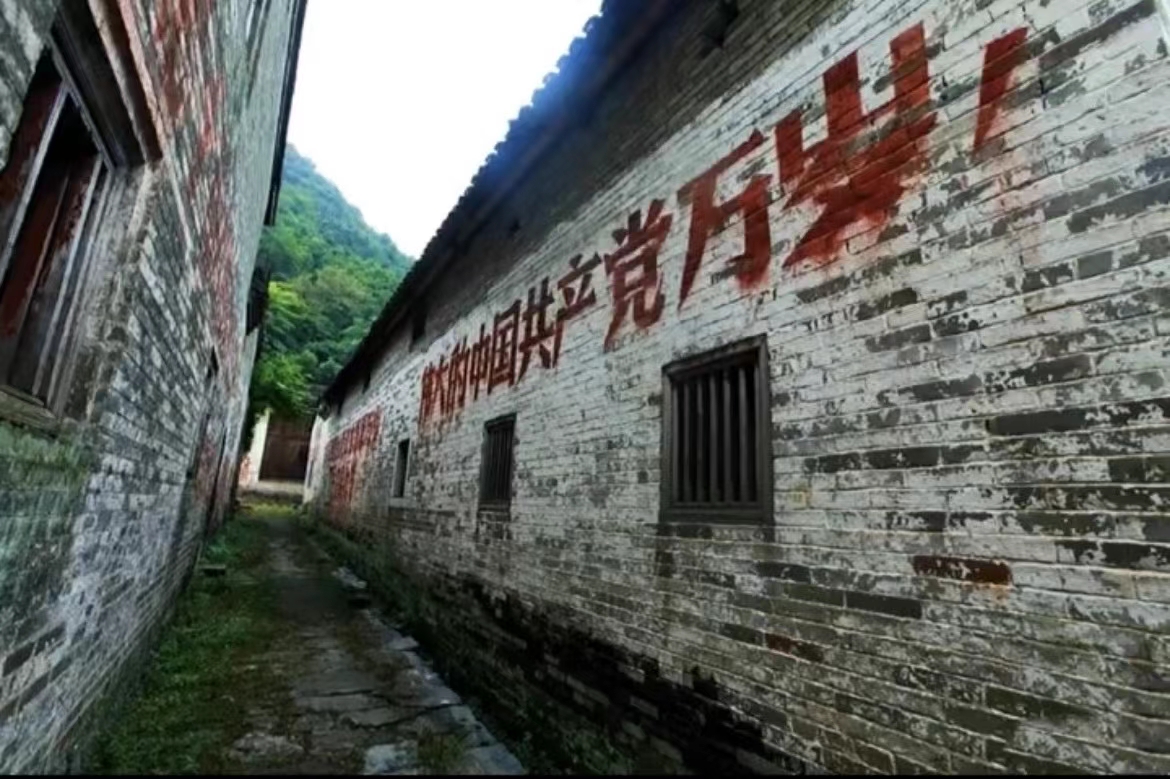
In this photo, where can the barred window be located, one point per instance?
(495, 475)
(716, 436)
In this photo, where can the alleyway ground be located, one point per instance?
(280, 665)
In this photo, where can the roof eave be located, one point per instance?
(286, 96)
(442, 250)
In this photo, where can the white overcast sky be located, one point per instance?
(399, 102)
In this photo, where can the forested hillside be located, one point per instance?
(331, 275)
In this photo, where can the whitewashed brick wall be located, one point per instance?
(981, 379)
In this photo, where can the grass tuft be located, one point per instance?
(197, 674)
(440, 753)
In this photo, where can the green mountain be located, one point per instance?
(331, 275)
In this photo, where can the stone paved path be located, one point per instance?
(358, 697)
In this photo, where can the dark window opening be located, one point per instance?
(400, 467)
(418, 323)
(257, 299)
(495, 475)
(716, 441)
(51, 194)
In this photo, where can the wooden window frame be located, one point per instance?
(257, 299)
(489, 463)
(401, 462)
(672, 510)
(75, 83)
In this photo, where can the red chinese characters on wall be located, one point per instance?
(524, 336)
(542, 330)
(633, 270)
(862, 170)
(709, 217)
(1001, 58)
(347, 456)
(852, 181)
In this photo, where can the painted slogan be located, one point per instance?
(346, 456)
(855, 177)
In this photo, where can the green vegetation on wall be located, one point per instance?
(331, 275)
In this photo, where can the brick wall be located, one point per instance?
(103, 511)
(950, 220)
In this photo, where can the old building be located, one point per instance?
(790, 389)
(278, 451)
(140, 146)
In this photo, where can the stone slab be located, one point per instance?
(385, 759)
(339, 703)
(375, 718)
(336, 682)
(264, 747)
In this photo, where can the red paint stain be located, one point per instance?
(347, 456)
(963, 569)
(1000, 60)
(854, 181)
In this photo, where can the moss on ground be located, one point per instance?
(441, 753)
(197, 691)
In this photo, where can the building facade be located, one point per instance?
(278, 451)
(789, 391)
(138, 142)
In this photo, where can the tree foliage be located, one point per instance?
(331, 275)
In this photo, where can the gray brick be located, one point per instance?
(97, 528)
(977, 379)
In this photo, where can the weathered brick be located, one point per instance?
(968, 389)
(104, 506)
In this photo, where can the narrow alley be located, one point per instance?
(592, 386)
(330, 686)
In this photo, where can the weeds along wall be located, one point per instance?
(108, 488)
(949, 223)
